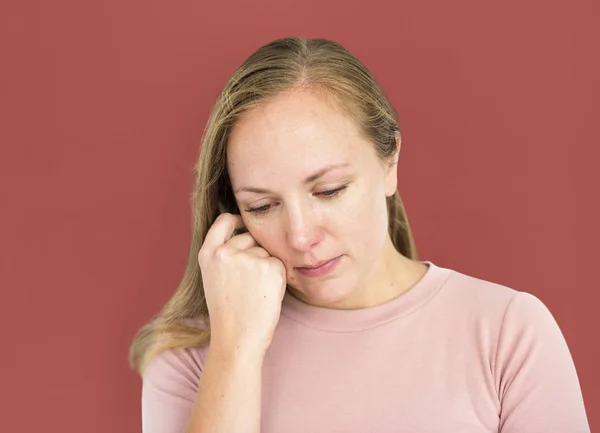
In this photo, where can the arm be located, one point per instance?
(229, 400)
(535, 375)
(243, 287)
(225, 396)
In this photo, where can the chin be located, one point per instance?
(330, 293)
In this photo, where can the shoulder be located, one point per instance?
(182, 365)
(186, 361)
(519, 325)
(171, 379)
(485, 297)
(475, 297)
(501, 312)
(529, 330)
(170, 384)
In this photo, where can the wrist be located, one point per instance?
(231, 352)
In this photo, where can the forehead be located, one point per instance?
(293, 134)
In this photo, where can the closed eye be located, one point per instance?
(329, 194)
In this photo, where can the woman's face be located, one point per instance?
(311, 189)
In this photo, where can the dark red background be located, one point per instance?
(103, 105)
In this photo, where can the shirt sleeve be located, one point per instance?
(535, 375)
(169, 388)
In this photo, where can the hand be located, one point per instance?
(243, 284)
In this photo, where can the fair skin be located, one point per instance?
(277, 146)
(293, 218)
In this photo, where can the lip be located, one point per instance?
(316, 265)
(321, 268)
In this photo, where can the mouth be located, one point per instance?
(316, 265)
(320, 268)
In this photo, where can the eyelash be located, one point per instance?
(328, 195)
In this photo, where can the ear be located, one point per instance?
(391, 170)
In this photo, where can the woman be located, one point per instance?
(304, 307)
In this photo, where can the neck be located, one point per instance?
(391, 276)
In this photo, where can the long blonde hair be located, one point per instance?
(284, 64)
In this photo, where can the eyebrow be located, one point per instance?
(309, 179)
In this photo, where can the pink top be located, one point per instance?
(452, 354)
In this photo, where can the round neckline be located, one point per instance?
(335, 320)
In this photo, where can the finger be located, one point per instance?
(258, 252)
(222, 230)
(281, 266)
(242, 242)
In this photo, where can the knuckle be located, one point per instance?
(202, 255)
(275, 264)
(225, 217)
(222, 253)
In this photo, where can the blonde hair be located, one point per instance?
(282, 65)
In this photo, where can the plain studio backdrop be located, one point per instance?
(103, 106)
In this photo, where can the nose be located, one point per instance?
(303, 231)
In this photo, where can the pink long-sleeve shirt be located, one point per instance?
(452, 354)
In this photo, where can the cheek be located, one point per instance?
(361, 224)
(269, 239)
